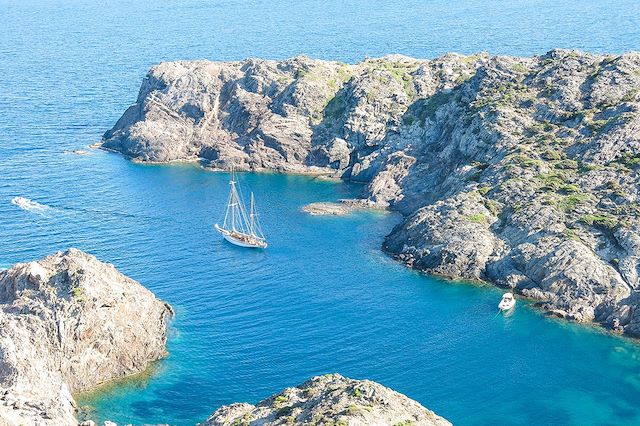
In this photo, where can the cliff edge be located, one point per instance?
(523, 172)
(67, 323)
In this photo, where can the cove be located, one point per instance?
(322, 298)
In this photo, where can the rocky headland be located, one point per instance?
(329, 400)
(518, 171)
(69, 322)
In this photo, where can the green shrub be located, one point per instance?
(352, 409)
(524, 161)
(630, 160)
(280, 399)
(569, 203)
(492, 206)
(519, 67)
(588, 167)
(552, 181)
(477, 218)
(605, 221)
(78, 293)
(597, 125)
(484, 190)
(569, 189)
(571, 234)
(336, 107)
(552, 155)
(630, 96)
(566, 165)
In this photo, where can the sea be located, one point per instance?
(322, 297)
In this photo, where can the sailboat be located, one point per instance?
(239, 228)
(507, 302)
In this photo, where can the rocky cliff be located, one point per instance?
(518, 171)
(329, 400)
(69, 322)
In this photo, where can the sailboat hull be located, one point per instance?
(247, 241)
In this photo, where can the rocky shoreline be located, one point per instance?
(522, 172)
(69, 322)
(329, 400)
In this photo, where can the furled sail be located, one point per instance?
(239, 227)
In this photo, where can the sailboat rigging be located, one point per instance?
(238, 227)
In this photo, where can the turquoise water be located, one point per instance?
(322, 298)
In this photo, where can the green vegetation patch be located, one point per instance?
(280, 400)
(519, 67)
(352, 409)
(603, 220)
(243, 421)
(336, 107)
(553, 181)
(588, 167)
(571, 202)
(484, 190)
(492, 206)
(569, 188)
(426, 108)
(571, 234)
(630, 96)
(566, 165)
(477, 218)
(525, 161)
(301, 72)
(78, 293)
(552, 155)
(629, 160)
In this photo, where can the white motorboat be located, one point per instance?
(239, 228)
(507, 302)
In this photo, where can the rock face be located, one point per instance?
(518, 171)
(67, 323)
(330, 400)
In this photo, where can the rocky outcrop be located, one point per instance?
(67, 323)
(329, 400)
(327, 209)
(519, 171)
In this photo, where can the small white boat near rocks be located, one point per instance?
(239, 228)
(507, 302)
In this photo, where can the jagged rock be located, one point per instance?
(330, 399)
(67, 323)
(520, 171)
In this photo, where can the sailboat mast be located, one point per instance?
(252, 217)
(232, 200)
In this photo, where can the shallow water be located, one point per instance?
(322, 297)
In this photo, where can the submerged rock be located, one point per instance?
(327, 209)
(67, 323)
(519, 171)
(329, 400)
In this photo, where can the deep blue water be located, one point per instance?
(322, 297)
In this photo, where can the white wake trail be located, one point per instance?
(30, 205)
